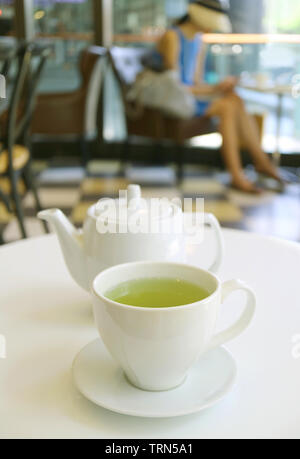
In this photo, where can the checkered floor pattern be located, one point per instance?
(73, 190)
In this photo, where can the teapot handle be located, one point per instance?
(211, 220)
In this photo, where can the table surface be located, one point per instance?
(46, 319)
(284, 90)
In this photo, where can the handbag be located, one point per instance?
(163, 91)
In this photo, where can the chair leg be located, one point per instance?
(5, 199)
(16, 198)
(85, 152)
(124, 156)
(31, 185)
(179, 155)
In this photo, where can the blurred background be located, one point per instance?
(82, 145)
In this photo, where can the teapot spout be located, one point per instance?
(71, 243)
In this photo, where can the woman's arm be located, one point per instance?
(169, 49)
(200, 88)
(200, 67)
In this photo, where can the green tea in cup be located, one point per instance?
(167, 319)
(157, 293)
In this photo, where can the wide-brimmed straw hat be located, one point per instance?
(210, 15)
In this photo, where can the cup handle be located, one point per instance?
(245, 319)
(211, 220)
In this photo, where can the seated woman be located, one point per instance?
(182, 48)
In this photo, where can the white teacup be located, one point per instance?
(156, 347)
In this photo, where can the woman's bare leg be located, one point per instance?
(229, 129)
(250, 138)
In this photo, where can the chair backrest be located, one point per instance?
(88, 59)
(127, 63)
(8, 50)
(23, 94)
(92, 65)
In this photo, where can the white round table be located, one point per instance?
(46, 319)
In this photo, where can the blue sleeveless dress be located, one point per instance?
(187, 63)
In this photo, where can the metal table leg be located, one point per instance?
(277, 153)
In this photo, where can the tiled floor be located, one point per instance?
(74, 190)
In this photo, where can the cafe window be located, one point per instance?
(68, 26)
(144, 18)
(282, 16)
(268, 65)
(7, 16)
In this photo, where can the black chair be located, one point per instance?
(15, 157)
(151, 123)
(8, 50)
(74, 113)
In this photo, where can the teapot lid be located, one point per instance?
(131, 204)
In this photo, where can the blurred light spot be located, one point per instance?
(237, 49)
(39, 14)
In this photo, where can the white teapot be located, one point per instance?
(106, 241)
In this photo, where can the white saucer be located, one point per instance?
(101, 380)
